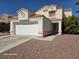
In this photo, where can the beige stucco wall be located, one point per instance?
(60, 27)
(23, 16)
(58, 13)
(45, 10)
(68, 13)
(52, 7)
(40, 26)
(46, 14)
(39, 12)
(48, 8)
(11, 28)
(34, 18)
(44, 26)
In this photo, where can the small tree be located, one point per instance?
(70, 25)
(2, 26)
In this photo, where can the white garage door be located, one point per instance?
(27, 29)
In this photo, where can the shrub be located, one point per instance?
(4, 27)
(70, 25)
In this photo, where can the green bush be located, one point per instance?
(70, 25)
(4, 27)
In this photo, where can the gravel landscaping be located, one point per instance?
(62, 47)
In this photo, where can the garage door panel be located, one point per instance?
(27, 29)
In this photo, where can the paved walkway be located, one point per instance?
(48, 38)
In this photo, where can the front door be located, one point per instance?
(55, 28)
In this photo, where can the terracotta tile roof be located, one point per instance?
(15, 18)
(1, 18)
(3, 21)
(10, 18)
(4, 16)
(35, 15)
(31, 14)
(7, 14)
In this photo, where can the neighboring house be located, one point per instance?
(45, 21)
(5, 18)
(68, 12)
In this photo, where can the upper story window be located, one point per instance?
(52, 13)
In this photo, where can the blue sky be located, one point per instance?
(11, 6)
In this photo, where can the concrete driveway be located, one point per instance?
(8, 42)
(12, 41)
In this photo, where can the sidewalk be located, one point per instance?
(48, 38)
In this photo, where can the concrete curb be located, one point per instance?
(5, 36)
(48, 38)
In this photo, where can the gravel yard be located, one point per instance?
(62, 47)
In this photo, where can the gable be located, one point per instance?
(22, 14)
(22, 9)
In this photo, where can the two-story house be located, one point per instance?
(45, 21)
